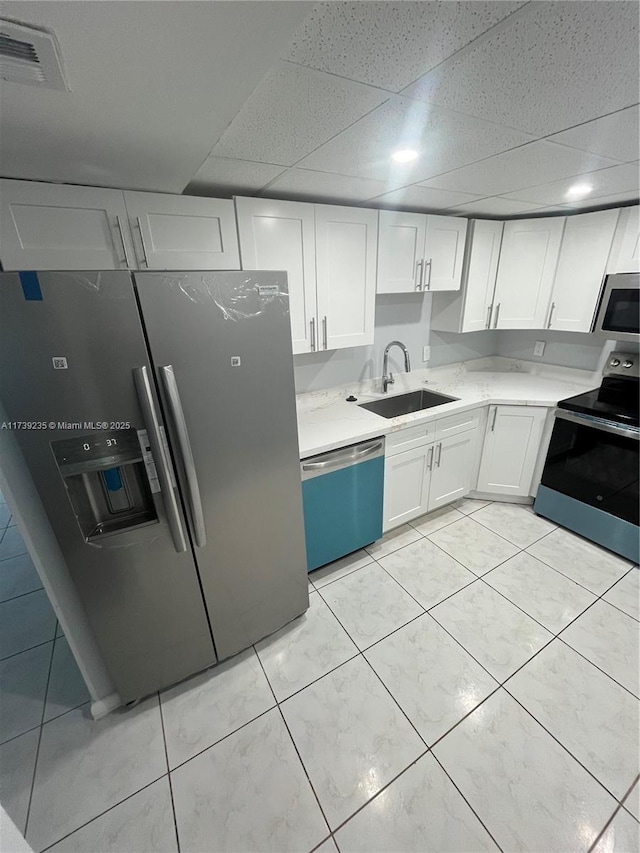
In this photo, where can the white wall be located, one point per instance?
(570, 349)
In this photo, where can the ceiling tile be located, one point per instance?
(617, 179)
(421, 198)
(555, 66)
(526, 166)
(224, 176)
(616, 135)
(308, 185)
(447, 140)
(291, 112)
(604, 200)
(495, 207)
(390, 44)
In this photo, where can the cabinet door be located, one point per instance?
(57, 227)
(444, 252)
(280, 235)
(510, 449)
(180, 232)
(406, 485)
(346, 248)
(585, 248)
(625, 252)
(526, 269)
(479, 276)
(401, 239)
(453, 459)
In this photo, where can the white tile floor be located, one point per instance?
(446, 691)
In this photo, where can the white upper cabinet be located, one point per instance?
(179, 232)
(625, 252)
(401, 239)
(527, 266)
(53, 226)
(346, 248)
(584, 252)
(418, 252)
(470, 309)
(280, 235)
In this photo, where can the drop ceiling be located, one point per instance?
(509, 104)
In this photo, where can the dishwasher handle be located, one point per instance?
(343, 458)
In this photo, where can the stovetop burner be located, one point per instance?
(617, 398)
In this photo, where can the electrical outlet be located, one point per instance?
(426, 353)
(539, 348)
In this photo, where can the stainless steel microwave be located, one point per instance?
(618, 314)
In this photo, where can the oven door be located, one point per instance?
(596, 462)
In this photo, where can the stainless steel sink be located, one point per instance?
(404, 404)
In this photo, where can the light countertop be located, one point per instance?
(326, 421)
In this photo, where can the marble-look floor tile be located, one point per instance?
(249, 792)
(591, 715)
(426, 572)
(305, 649)
(141, 824)
(632, 802)
(12, 544)
(540, 591)
(370, 605)
(609, 638)
(493, 630)
(351, 736)
(582, 561)
(23, 684)
(420, 812)
(25, 622)
(625, 595)
(209, 706)
(17, 763)
(473, 545)
(391, 541)
(339, 568)
(435, 682)
(328, 846)
(467, 506)
(621, 836)
(86, 766)
(5, 515)
(66, 689)
(435, 520)
(529, 792)
(514, 522)
(17, 577)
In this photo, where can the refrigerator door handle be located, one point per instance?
(145, 397)
(193, 491)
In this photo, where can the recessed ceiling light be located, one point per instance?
(405, 155)
(578, 190)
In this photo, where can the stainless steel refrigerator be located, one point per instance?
(156, 415)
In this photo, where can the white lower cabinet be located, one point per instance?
(427, 467)
(510, 450)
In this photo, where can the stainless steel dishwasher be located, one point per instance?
(342, 492)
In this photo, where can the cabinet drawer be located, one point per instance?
(455, 424)
(405, 439)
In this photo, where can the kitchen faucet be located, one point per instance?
(389, 380)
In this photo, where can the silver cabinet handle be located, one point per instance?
(419, 273)
(124, 245)
(488, 323)
(428, 284)
(553, 307)
(439, 456)
(193, 491)
(144, 248)
(312, 325)
(493, 422)
(150, 418)
(495, 323)
(324, 332)
(430, 459)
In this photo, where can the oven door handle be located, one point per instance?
(599, 424)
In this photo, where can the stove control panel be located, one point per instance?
(622, 364)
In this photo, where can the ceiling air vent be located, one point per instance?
(29, 55)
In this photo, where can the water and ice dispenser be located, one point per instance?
(110, 479)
